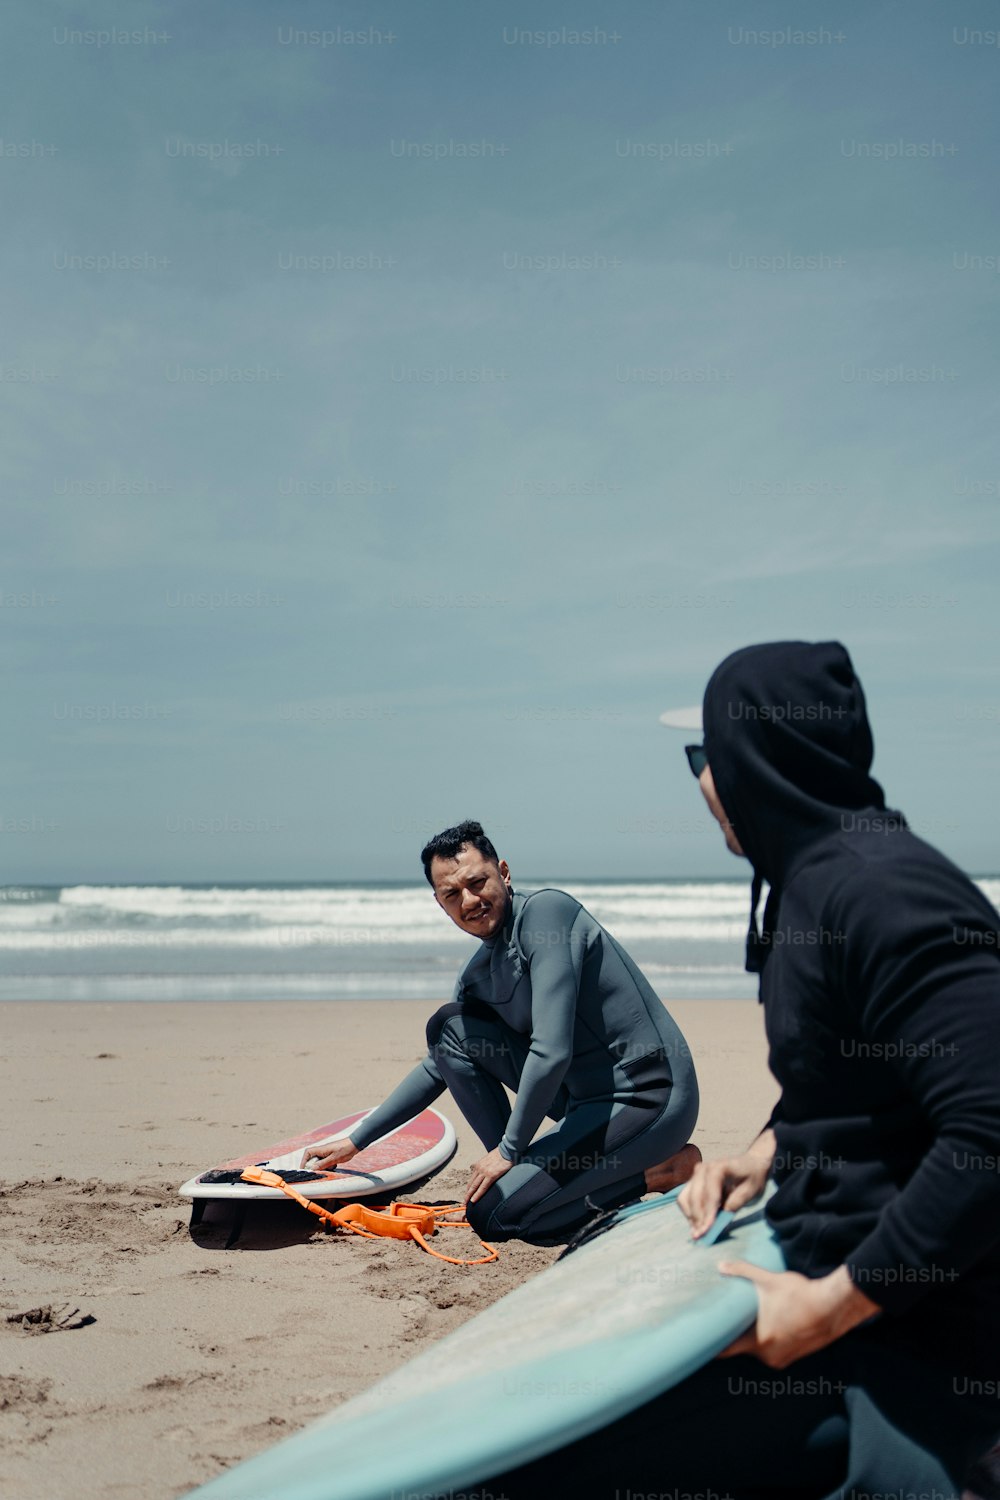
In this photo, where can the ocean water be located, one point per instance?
(337, 941)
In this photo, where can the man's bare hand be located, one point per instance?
(485, 1173)
(328, 1154)
(797, 1315)
(728, 1183)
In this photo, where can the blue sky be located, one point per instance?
(393, 428)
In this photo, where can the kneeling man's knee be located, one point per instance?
(438, 1025)
(487, 1218)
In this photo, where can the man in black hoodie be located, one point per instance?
(880, 981)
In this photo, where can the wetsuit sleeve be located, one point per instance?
(926, 985)
(417, 1090)
(555, 964)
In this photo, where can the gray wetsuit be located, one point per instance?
(553, 1007)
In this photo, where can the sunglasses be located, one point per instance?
(697, 759)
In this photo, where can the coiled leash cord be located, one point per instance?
(402, 1221)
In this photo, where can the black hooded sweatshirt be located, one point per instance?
(879, 970)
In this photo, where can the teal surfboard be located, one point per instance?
(626, 1316)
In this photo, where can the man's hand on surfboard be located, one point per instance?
(485, 1173)
(328, 1154)
(728, 1183)
(797, 1315)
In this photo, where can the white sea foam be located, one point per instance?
(173, 942)
(335, 936)
(346, 916)
(260, 917)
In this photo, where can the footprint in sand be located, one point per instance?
(16, 1393)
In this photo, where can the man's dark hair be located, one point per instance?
(448, 844)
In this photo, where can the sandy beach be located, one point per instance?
(200, 1356)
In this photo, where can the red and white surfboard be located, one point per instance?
(421, 1146)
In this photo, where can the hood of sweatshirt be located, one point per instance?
(787, 738)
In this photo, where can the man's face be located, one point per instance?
(473, 890)
(707, 783)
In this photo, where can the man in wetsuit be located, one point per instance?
(554, 1008)
(879, 966)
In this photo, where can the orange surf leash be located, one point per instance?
(402, 1221)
